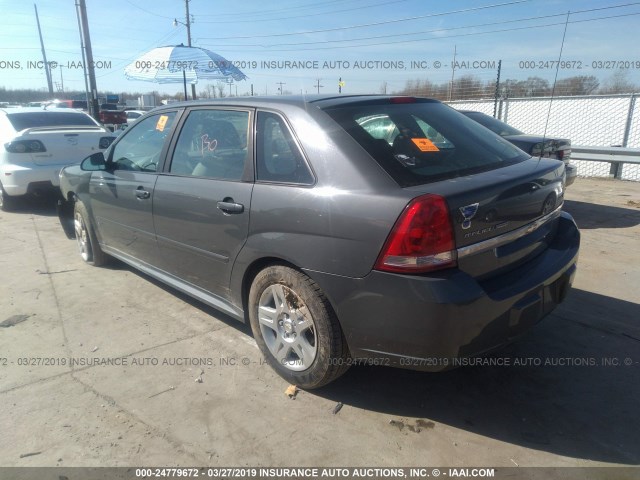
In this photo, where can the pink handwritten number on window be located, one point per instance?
(208, 145)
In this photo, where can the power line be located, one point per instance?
(438, 30)
(453, 36)
(269, 12)
(147, 11)
(164, 38)
(331, 12)
(375, 24)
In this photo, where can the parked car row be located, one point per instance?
(353, 229)
(111, 115)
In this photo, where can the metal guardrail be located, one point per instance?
(616, 156)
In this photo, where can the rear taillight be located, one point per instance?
(564, 154)
(25, 146)
(105, 142)
(421, 240)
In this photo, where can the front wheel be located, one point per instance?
(295, 327)
(88, 245)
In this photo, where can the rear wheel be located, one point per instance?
(88, 246)
(7, 202)
(295, 327)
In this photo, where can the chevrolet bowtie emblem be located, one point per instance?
(468, 212)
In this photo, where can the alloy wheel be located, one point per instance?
(287, 327)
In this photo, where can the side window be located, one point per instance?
(278, 158)
(380, 127)
(212, 143)
(432, 134)
(140, 148)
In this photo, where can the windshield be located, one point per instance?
(23, 120)
(493, 124)
(418, 143)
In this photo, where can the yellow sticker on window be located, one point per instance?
(162, 122)
(425, 145)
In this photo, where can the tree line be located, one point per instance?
(25, 95)
(468, 87)
(464, 87)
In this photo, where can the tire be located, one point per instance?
(88, 245)
(7, 202)
(296, 328)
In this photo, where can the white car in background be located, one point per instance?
(133, 115)
(35, 144)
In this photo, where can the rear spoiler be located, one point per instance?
(64, 128)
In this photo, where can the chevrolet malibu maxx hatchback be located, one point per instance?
(388, 230)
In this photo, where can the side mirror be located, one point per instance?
(94, 163)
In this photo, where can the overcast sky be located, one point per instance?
(364, 42)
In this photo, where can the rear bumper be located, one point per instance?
(20, 180)
(427, 322)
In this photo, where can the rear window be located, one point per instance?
(23, 120)
(426, 141)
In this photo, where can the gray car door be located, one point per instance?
(201, 202)
(122, 195)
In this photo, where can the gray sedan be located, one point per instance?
(352, 229)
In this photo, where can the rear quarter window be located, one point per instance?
(426, 141)
(278, 158)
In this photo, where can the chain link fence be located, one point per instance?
(597, 169)
(596, 120)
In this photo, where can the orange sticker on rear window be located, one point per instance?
(162, 122)
(425, 145)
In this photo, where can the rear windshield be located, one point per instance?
(493, 124)
(23, 120)
(426, 141)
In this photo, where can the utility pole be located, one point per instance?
(47, 68)
(94, 109)
(60, 86)
(453, 70)
(61, 79)
(280, 86)
(84, 60)
(497, 93)
(188, 25)
(318, 86)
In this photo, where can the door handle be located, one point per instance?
(229, 206)
(141, 193)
